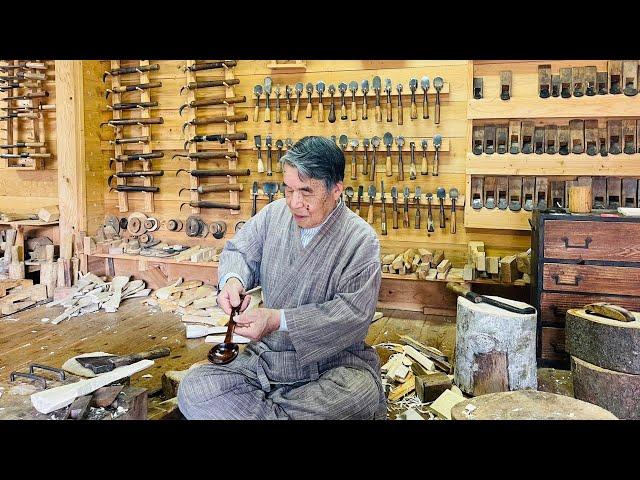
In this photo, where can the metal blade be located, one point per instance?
(372, 191)
(279, 144)
(353, 86)
(267, 85)
(277, 90)
(309, 87)
(267, 141)
(299, 88)
(424, 83)
(257, 90)
(258, 141)
(387, 139)
(437, 140)
(453, 193)
(344, 140)
(365, 86)
(289, 143)
(405, 192)
(438, 83)
(425, 143)
(400, 141)
(394, 192)
(413, 84)
(342, 87)
(377, 84)
(387, 85)
(332, 90)
(418, 193)
(354, 143)
(320, 87)
(375, 141)
(365, 142)
(441, 192)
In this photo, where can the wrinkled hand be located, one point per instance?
(229, 296)
(257, 323)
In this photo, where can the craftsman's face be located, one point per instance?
(309, 201)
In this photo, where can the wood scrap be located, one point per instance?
(508, 269)
(49, 214)
(405, 388)
(445, 402)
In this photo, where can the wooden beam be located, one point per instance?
(70, 149)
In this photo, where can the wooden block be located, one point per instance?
(75, 268)
(49, 252)
(397, 263)
(432, 274)
(387, 259)
(89, 246)
(105, 396)
(425, 255)
(441, 275)
(66, 246)
(61, 293)
(455, 274)
(468, 273)
(11, 308)
(444, 266)
(438, 256)
(17, 253)
(16, 270)
(171, 381)
(430, 387)
(508, 269)
(523, 261)
(408, 386)
(34, 292)
(443, 404)
(385, 268)
(492, 264)
(481, 264)
(79, 407)
(419, 357)
(186, 254)
(49, 214)
(49, 277)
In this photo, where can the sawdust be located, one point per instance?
(23, 390)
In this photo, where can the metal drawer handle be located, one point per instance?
(587, 241)
(576, 281)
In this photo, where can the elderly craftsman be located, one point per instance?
(319, 267)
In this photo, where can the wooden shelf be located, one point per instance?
(9, 164)
(295, 66)
(28, 223)
(543, 165)
(371, 97)
(413, 277)
(496, 219)
(555, 107)
(143, 258)
(382, 150)
(435, 203)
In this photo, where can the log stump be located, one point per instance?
(527, 405)
(605, 361)
(495, 348)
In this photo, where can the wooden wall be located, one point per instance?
(23, 190)
(169, 138)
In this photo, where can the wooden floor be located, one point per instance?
(25, 339)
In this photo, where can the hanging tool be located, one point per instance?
(241, 117)
(120, 122)
(209, 84)
(372, 197)
(208, 204)
(218, 187)
(353, 87)
(320, 89)
(413, 86)
(124, 70)
(24, 145)
(342, 88)
(437, 143)
(309, 104)
(424, 84)
(360, 195)
(365, 159)
(120, 141)
(349, 194)
(453, 195)
(400, 143)
(134, 188)
(430, 227)
(142, 174)
(287, 93)
(279, 146)
(277, 92)
(223, 172)
(136, 156)
(195, 226)
(383, 219)
(254, 197)
(354, 168)
(388, 88)
(375, 143)
(365, 90)
(377, 86)
(257, 91)
(210, 65)
(416, 200)
(218, 137)
(267, 94)
(258, 142)
(343, 141)
(441, 193)
(270, 189)
(123, 88)
(400, 114)
(464, 290)
(208, 102)
(132, 105)
(405, 211)
(227, 351)
(299, 88)
(332, 108)
(437, 84)
(387, 139)
(412, 166)
(174, 225)
(394, 199)
(424, 168)
(267, 142)
(208, 155)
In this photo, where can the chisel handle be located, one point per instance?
(343, 110)
(269, 171)
(267, 113)
(256, 111)
(260, 162)
(389, 111)
(365, 115)
(278, 118)
(424, 168)
(370, 213)
(405, 217)
(442, 225)
(437, 120)
(354, 111)
(395, 217)
(378, 113)
(400, 118)
(414, 108)
(400, 167)
(383, 222)
(309, 109)
(320, 111)
(453, 216)
(425, 106)
(354, 167)
(417, 219)
(296, 109)
(412, 171)
(288, 109)
(358, 211)
(372, 169)
(435, 162)
(388, 166)
(332, 112)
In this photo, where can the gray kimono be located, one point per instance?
(320, 368)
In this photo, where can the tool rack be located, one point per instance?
(145, 130)
(190, 131)
(15, 126)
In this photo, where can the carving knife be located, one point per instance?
(353, 87)
(424, 84)
(296, 109)
(375, 143)
(320, 89)
(424, 169)
(365, 160)
(332, 108)
(405, 212)
(413, 86)
(387, 89)
(360, 194)
(365, 90)
(372, 197)
(412, 166)
(437, 84)
(453, 195)
(342, 87)
(394, 199)
(387, 139)
(400, 143)
(430, 227)
(277, 92)
(441, 193)
(416, 200)
(377, 86)
(400, 117)
(258, 141)
(267, 92)
(383, 219)
(354, 167)
(437, 143)
(287, 93)
(257, 91)
(309, 104)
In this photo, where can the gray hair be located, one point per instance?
(318, 158)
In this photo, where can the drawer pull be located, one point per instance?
(576, 281)
(587, 241)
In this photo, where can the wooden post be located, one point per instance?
(70, 150)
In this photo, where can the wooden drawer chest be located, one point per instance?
(576, 260)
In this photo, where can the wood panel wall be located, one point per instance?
(23, 190)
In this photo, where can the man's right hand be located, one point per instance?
(229, 296)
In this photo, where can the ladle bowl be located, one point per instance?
(223, 353)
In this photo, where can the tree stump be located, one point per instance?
(527, 405)
(495, 349)
(605, 361)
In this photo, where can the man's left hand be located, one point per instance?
(257, 323)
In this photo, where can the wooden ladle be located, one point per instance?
(226, 351)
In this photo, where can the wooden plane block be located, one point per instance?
(477, 184)
(629, 192)
(49, 214)
(603, 141)
(489, 139)
(590, 77)
(557, 197)
(528, 192)
(602, 83)
(526, 134)
(515, 193)
(502, 192)
(490, 197)
(430, 387)
(538, 140)
(481, 260)
(577, 79)
(551, 139)
(591, 136)
(568, 185)
(477, 88)
(514, 137)
(565, 82)
(493, 265)
(502, 139)
(614, 192)
(576, 128)
(555, 85)
(544, 81)
(629, 136)
(477, 146)
(505, 85)
(599, 192)
(564, 139)
(615, 136)
(508, 269)
(630, 77)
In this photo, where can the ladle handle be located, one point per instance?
(232, 324)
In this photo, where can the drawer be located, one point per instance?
(611, 241)
(591, 279)
(554, 306)
(552, 345)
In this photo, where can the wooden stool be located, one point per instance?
(528, 405)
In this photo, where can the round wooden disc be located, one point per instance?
(528, 405)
